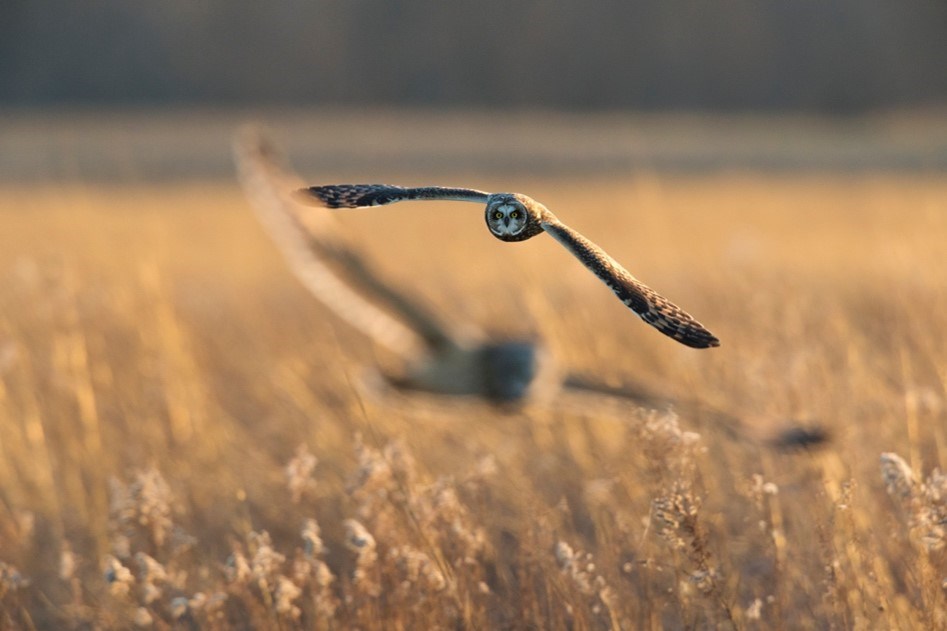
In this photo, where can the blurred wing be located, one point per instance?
(650, 306)
(326, 264)
(360, 195)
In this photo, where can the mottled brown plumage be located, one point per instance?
(516, 217)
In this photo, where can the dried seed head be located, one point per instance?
(10, 579)
(374, 470)
(151, 570)
(922, 502)
(564, 554)
(142, 617)
(197, 601)
(759, 489)
(417, 569)
(299, 473)
(323, 575)
(897, 475)
(674, 515)
(357, 538)
(575, 567)
(67, 562)
(150, 593)
(142, 506)
(311, 535)
(704, 580)
(284, 595)
(267, 563)
(755, 610)
(118, 577)
(237, 569)
(179, 607)
(401, 461)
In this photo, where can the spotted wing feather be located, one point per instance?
(360, 195)
(650, 306)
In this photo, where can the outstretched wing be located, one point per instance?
(330, 267)
(650, 306)
(358, 195)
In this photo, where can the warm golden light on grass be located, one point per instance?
(183, 440)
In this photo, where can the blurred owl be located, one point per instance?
(451, 360)
(458, 360)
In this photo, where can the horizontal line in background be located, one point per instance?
(162, 145)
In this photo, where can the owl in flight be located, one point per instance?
(441, 357)
(516, 217)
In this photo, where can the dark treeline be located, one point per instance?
(817, 55)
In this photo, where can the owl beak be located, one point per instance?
(506, 222)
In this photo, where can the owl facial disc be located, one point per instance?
(506, 219)
(512, 217)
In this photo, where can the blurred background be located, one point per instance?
(853, 63)
(835, 57)
(170, 394)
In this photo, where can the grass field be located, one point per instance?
(183, 442)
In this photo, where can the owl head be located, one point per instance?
(513, 217)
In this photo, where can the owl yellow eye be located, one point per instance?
(498, 215)
(515, 214)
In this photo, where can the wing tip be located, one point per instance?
(705, 339)
(314, 196)
(307, 196)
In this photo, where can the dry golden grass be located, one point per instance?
(183, 444)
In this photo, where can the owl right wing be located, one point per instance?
(648, 304)
(360, 195)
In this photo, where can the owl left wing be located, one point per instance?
(330, 267)
(360, 195)
(650, 306)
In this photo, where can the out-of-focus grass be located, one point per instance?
(159, 368)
